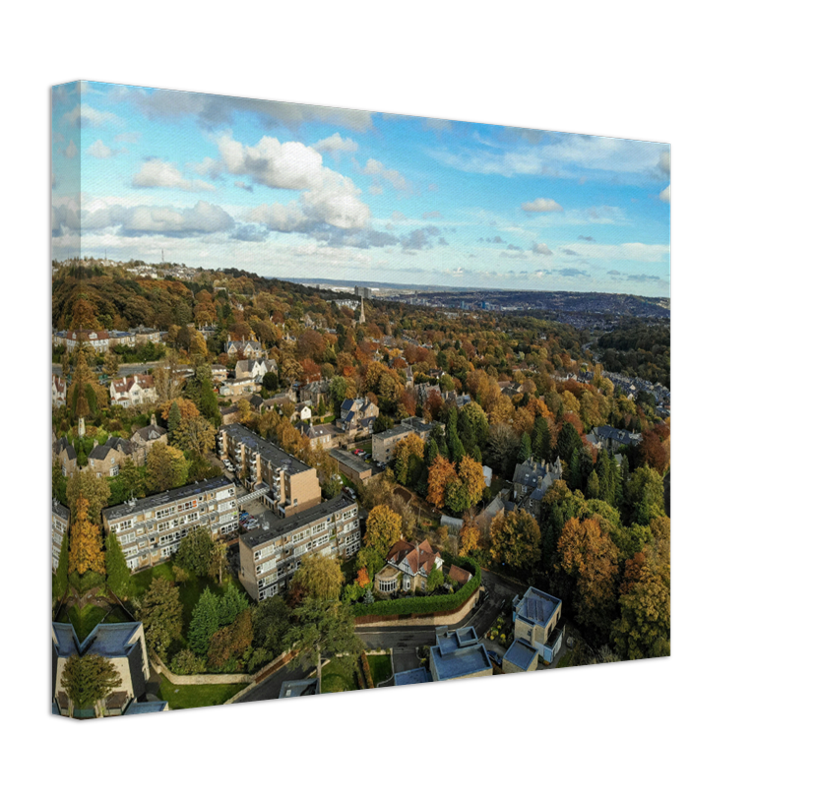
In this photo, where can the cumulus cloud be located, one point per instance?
(568, 252)
(541, 249)
(431, 215)
(156, 173)
(541, 205)
(420, 239)
(336, 144)
(396, 179)
(289, 218)
(100, 150)
(665, 194)
(249, 233)
(664, 162)
(71, 150)
(247, 187)
(85, 116)
(514, 247)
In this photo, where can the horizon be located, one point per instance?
(269, 187)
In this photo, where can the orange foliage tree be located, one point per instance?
(86, 543)
(440, 474)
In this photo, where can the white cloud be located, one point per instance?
(437, 125)
(541, 205)
(100, 150)
(664, 163)
(128, 138)
(665, 194)
(71, 150)
(156, 173)
(85, 115)
(541, 249)
(630, 251)
(336, 144)
(279, 217)
(397, 180)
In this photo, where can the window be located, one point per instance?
(164, 512)
(163, 526)
(114, 470)
(124, 524)
(387, 586)
(127, 538)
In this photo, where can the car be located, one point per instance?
(495, 657)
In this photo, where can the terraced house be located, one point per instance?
(282, 482)
(270, 555)
(150, 530)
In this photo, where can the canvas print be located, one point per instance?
(345, 400)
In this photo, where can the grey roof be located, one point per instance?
(148, 707)
(156, 500)
(454, 660)
(618, 435)
(412, 676)
(149, 432)
(349, 459)
(536, 606)
(520, 654)
(272, 526)
(456, 523)
(270, 452)
(64, 444)
(111, 640)
(101, 451)
(59, 509)
(299, 688)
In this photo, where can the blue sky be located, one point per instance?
(290, 190)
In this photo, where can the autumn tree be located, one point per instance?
(470, 539)
(186, 409)
(195, 435)
(441, 474)
(411, 445)
(166, 467)
(588, 554)
(383, 529)
(318, 576)
(86, 485)
(471, 474)
(86, 543)
(231, 641)
(515, 540)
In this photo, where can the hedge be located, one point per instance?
(366, 671)
(425, 605)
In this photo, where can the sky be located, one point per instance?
(302, 191)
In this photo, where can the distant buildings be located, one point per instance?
(134, 390)
(383, 444)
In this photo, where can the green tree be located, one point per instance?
(173, 421)
(324, 627)
(435, 579)
(541, 440)
(646, 496)
(205, 621)
(593, 486)
(525, 450)
(383, 529)
(231, 603)
(271, 621)
(161, 612)
(270, 382)
(567, 442)
(88, 680)
(515, 540)
(194, 554)
(118, 573)
(371, 560)
(166, 467)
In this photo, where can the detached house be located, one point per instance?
(243, 348)
(615, 438)
(536, 616)
(65, 456)
(105, 459)
(358, 415)
(133, 390)
(144, 438)
(58, 391)
(532, 480)
(408, 566)
(254, 368)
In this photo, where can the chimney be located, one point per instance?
(153, 418)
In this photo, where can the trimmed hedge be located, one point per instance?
(425, 605)
(366, 671)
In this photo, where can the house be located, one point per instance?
(271, 554)
(353, 467)
(532, 480)
(65, 456)
(536, 615)
(60, 522)
(58, 391)
(615, 438)
(314, 392)
(383, 444)
(98, 341)
(325, 436)
(133, 390)
(150, 530)
(302, 412)
(459, 654)
(219, 373)
(520, 657)
(124, 646)
(239, 387)
(357, 415)
(105, 459)
(407, 567)
(254, 368)
(144, 438)
(243, 348)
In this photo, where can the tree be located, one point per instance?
(515, 540)
(593, 486)
(318, 576)
(525, 451)
(541, 439)
(383, 529)
(567, 442)
(166, 467)
(95, 491)
(194, 554)
(60, 584)
(231, 603)
(470, 539)
(205, 621)
(646, 496)
(435, 579)
(323, 627)
(88, 680)
(161, 612)
(502, 447)
(111, 364)
(441, 473)
(471, 474)
(118, 573)
(411, 445)
(173, 421)
(270, 382)
(196, 435)
(231, 641)
(218, 561)
(86, 543)
(370, 560)
(271, 621)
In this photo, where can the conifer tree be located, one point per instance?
(118, 573)
(525, 450)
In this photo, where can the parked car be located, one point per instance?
(495, 657)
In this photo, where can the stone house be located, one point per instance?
(133, 390)
(407, 567)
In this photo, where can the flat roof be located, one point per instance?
(412, 676)
(270, 452)
(460, 661)
(520, 654)
(279, 526)
(350, 460)
(537, 606)
(299, 688)
(172, 495)
(112, 639)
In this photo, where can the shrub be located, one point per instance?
(366, 671)
(185, 662)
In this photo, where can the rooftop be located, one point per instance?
(276, 456)
(537, 606)
(520, 654)
(170, 496)
(272, 526)
(349, 459)
(454, 661)
(412, 676)
(299, 688)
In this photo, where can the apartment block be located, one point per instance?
(383, 444)
(270, 555)
(282, 482)
(150, 530)
(60, 521)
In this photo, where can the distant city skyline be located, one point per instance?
(310, 192)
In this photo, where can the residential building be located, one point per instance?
(353, 467)
(58, 391)
(133, 390)
(150, 530)
(615, 438)
(314, 392)
(520, 657)
(239, 387)
(532, 480)
(536, 616)
(302, 412)
(357, 415)
(384, 443)
(325, 436)
(243, 348)
(459, 654)
(66, 456)
(98, 341)
(60, 522)
(124, 646)
(407, 567)
(283, 482)
(144, 438)
(105, 459)
(270, 554)
(254, 368)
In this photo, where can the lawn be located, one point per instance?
(86, 619)
(565, 660)
(380, 668)
(338, 678)
(197, 696)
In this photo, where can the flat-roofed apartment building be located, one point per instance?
(60, 521)
(270, 554)
(285, 484)
(150, 530)
(382, 444)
